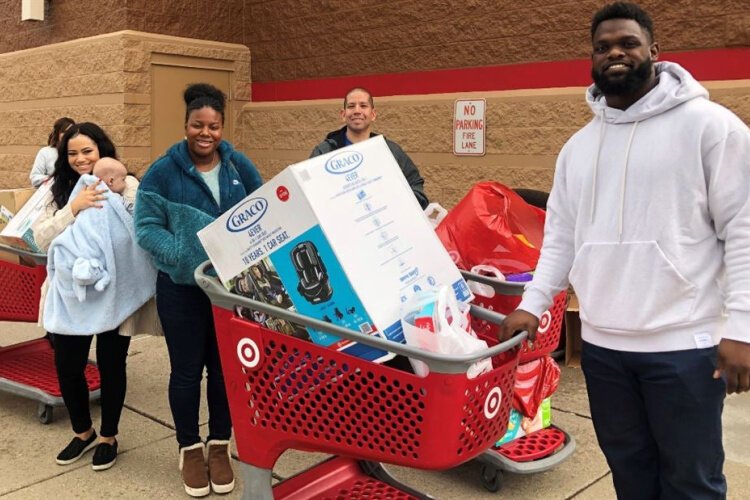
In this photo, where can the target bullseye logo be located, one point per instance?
(544, 322)
(248, 353)
(493, 402)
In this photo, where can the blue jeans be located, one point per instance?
(185, 314)
(657, 418)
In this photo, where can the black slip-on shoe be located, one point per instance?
(76, 449)
(105, 456)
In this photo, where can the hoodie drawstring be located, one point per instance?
(596, 169)
(624, 182)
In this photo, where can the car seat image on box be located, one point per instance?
(313, 277)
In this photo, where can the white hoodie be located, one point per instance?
(649, 220)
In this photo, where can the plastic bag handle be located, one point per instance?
(491, 270)
(438, 210)
(444, 302)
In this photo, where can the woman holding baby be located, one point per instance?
(80, 148)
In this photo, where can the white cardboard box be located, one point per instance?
(17, 233)
(344, 237)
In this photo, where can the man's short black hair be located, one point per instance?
(623, 10)
(369, 95)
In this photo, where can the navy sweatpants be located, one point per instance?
(657, 418)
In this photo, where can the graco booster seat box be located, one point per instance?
(344, 237)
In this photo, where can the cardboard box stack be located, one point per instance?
(339, 238)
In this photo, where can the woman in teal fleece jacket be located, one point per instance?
(197, 180)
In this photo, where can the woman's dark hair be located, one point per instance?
(60, 126)
(65, 177)
(200, 95)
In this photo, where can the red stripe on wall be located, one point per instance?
(719, 64)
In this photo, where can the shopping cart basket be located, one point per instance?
(285, 393)
(28, 369)
(545, 448)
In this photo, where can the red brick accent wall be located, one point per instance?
(292, 39)
(221, 21)
(63, 20)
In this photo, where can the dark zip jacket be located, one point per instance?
(335, 140)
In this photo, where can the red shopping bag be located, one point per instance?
(492, 225)
(493, 228)
(535, 381)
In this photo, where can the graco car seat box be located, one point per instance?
(345, 237)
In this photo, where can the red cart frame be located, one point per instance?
(27, 369)
(546, 448)
(285, 393)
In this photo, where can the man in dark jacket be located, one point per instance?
(358, 115)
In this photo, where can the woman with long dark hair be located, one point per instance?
(197, 180)
(80, 148)
(44, 163)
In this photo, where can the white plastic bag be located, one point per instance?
(481, 289)
(435, 213)
(447, 329)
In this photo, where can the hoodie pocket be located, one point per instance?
(630, 286)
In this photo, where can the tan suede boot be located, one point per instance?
(219, 466)
(194, 470)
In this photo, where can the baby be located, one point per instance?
(113, 174)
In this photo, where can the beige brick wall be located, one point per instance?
(105, 79)
(525, 131)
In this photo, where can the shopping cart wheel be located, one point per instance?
(492, 478)
(44, 413)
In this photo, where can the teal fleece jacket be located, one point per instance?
(174, 203)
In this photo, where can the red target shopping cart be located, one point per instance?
(286, 393)
(545, 448)
(27, 369)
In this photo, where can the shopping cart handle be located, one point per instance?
(439, 363)
(38, 258)
(501, 287)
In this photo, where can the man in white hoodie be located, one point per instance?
(649, 220)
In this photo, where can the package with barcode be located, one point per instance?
(5, 216)
(344, 238)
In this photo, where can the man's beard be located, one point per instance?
(633, 81)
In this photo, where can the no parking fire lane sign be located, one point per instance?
(468, 127)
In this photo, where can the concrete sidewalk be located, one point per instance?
(147, 464)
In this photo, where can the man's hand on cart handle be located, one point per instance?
(734, 365)
(519, 321)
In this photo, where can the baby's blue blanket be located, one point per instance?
(98, 275)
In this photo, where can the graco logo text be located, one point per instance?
(344, 162)
(247, 214)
